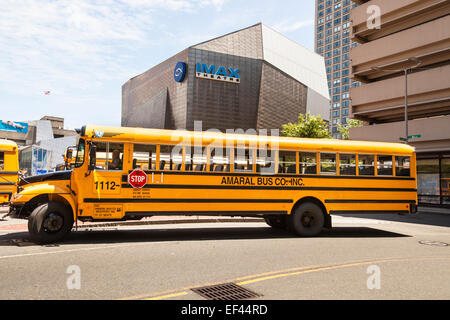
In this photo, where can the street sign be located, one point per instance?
(416, 136)
(137, 178)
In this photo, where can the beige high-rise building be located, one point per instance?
(395, 36)
(332, 41)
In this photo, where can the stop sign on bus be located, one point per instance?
(137, 178)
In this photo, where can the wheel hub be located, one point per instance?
(307, 220)
(53, 222)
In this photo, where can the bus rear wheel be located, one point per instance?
(307, 220)
(49, 222)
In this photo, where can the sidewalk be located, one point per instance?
(442, 211)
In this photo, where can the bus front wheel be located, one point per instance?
(50, 222)
(307, 220)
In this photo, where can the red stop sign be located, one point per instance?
(137, 178)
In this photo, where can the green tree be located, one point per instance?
(308, 126)
(351, 123)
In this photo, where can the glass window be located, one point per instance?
(2, 161)
(366, 165)
(144, 156)
(109, 156)
(287, 162)
(428, 187)
(402, 166)
(195, 159)
(327, 163)
(347, 164)
(265, 161)
(445, 180)
(79, 160)
(220, 159)
(308, 163)
(384, 165)
(243, 160)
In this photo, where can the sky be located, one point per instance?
(83, 51)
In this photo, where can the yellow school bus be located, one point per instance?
(292, 183)
(9, 169)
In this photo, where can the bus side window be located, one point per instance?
(170, 157)
(109, 156)
(287, 162)
(402, 166)
(265, 161)
(144, 156)
(219, 159)
(347, 164)
(308, 163)
(327, 163)
(384, 165)
(366, 165)
(243, 160)
(2, 161)
(195, 159)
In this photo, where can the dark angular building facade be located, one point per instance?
(253, 78)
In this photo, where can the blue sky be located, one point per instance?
(83, 51)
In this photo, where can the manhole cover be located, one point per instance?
(225, 291)
(434, 243)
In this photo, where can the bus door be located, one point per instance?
(103, 183)
(9, 167)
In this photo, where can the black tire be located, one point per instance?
(307, 220)
(50, 222)
(277, 222)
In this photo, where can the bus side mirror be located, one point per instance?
(92, 159)
(68, 158)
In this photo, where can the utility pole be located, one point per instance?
(405, 71)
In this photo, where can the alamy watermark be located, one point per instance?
(236, 144)
(374, 17)
(374, 280)
(73, 282)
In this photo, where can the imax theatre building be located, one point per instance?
(254, 78)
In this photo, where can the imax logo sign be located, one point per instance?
(220, 73)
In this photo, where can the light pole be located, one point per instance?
(405, 71)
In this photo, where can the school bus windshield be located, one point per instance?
(80, 154)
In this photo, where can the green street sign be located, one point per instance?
(416, 136)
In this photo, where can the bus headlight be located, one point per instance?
(16, 197)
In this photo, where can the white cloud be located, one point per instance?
(293, 26)
(65, 44)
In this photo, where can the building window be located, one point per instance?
(428, 181)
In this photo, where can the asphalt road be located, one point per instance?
(166, 262)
